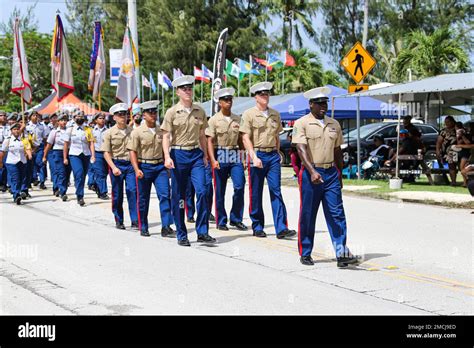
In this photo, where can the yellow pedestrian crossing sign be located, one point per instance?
(357, 88)
(358, 62)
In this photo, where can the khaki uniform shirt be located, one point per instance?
(224, 132)
(184, 127)
(116, 142)
(147, 145)
(321, 141)
(261, 129)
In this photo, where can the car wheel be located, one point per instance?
(430, 156)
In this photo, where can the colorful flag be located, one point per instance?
(145, 82)
(255, 66)
(20, 77)
(289, 60)
(61, 71)
(206, 72)
(98, 69)
(166, 80)
(274, 61)
(177, 73)
(161, 81)
(127, 85)
(263, 62)
(152, 83)
(198, 75)
(246, 68)
(231, 69)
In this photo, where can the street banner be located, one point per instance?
(218, 68)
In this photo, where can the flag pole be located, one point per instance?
(163, 100)
(266, 66)
(202, 88)
(100, 107)
(150, 92)
(172, 97)
(143, 94)
(283, 81)
(238, 86)
(22, 108)
(250, 83)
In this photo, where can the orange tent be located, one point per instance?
(51, 105)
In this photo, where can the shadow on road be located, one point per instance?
(371, 256)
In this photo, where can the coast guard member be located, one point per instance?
(146, 155)
(114, 146)
(19, 150)
(54, 150)
(39, 135)
(99, 167)
(79, 149)
(3, 131)
(318, 139)
(223, 149)
(185, 152)
(261, 126)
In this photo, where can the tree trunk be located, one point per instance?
(366, 23)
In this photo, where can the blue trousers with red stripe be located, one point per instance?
(272, 172)
(128, 177)
(157, 175)
(235, 171)
(329, 193)
(189, 164)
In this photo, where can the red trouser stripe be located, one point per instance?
(138, 205)
(215, 197)
(300, 181)
(112, 192)
(250, 186)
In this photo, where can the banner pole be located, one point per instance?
(100, 107)
(22, 108)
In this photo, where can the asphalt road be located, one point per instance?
(59, 258)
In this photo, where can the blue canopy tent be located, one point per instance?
(293, 105)
(297, 106)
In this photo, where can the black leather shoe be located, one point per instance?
(28, 196)
(240, 226)
(307, 260)
(135, 226)
(206, 238)
(104, 197)
(259, 234)
(3, 188)
(184, 242)
(81, 202)
(56, 193)
(18, 200)
(223, 228)
(167, 232)
(191, 220)
(36, 182)
(212, 218)
(144, 233)
(120, 226)
(64, 198)
(23, 195)
(349, 260)
(286, 234)
(43, 186)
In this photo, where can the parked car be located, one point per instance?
(388, 130)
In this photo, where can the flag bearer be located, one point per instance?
(146, 155)
(226, 161)
(318, 139)
(19, 150)
(261, 126)
(114, 146)
(185, 152)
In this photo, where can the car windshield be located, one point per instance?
(365, 130)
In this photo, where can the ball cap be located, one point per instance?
(318, 94)
(149, 105)
(118, 108)
(261, 86)
(224, 92)
(183, 81)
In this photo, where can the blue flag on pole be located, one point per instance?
(152, 83)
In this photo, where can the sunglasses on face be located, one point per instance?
(151, 111)
(263, 93)
(227, 99)
(121, 113)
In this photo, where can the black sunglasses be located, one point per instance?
(121, 113)
(263, 93)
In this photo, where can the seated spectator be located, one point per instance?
(462, 138)
(381, 149)
(444, 151)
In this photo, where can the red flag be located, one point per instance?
(289, 60)
(263, 62)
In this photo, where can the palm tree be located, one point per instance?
(295, 14)
(430, 55)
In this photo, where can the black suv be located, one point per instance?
(388, 130)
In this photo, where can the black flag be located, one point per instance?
(218, 69)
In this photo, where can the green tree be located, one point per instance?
(297, 15)
(430, 55)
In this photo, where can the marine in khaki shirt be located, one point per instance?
(262, 127)
(147, 144)
(116, 140)
(184, 124)
(224, 129)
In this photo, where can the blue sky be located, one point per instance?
(45, 12)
